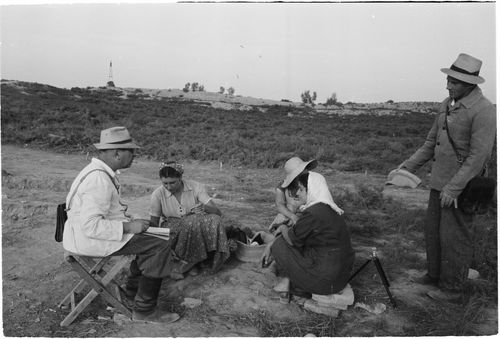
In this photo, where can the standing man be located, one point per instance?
(448, 230)
(98, 226)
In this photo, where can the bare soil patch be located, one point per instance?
(237, 301)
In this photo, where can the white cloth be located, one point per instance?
(318, 191)
(95, 218)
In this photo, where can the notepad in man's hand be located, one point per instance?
(162, 233)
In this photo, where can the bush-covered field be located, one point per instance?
(70, 121)
(173, 128)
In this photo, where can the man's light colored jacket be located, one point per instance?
(95, 218)
(472, 125)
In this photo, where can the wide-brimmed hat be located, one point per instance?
(466, 68)
(403, 178)
(294, 166)
(115, 138)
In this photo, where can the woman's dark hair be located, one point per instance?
(169, 172)
(302, 178)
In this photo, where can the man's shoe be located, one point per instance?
(156, 316)
(441, 295)
(426, 280)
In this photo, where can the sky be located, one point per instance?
(362, 52)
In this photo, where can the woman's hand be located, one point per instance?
(266, 256)
(197, 209)
(280, 230)
(339, 210)
(293, 219)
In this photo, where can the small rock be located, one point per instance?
(191, 302)
(473, 274)
(120, 319)
(309, 335)
(312, 306)
(378, 308)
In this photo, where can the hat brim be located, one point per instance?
(403, 178)
(309, 165)
(129, 145)
(470, 79)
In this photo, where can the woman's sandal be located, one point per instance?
(294, 290)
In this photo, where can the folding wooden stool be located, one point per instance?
(99, 274)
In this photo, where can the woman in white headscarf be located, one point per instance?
(287, 206)
(315, 255)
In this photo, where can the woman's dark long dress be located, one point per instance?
(321, 258)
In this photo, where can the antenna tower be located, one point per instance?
(110, 81)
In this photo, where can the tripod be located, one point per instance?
(373, 258)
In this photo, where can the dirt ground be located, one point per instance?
(36, 278)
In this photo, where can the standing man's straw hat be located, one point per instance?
(466, 68)
(116, 138)
(294, 166)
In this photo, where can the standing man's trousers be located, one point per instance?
(449, 243)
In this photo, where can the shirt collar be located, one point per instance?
(99, 163)
(187, 188)
(469, 100)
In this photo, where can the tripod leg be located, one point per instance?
(359, 270)
(383, 277)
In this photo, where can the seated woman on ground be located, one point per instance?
(315, 255)
(287, 206)
(196, 232)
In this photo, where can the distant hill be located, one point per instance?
(215, 127)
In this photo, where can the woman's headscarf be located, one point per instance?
(318, 191)
(172, 164)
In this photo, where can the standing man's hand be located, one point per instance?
(447, 201)
(135, 226)
(401, 166)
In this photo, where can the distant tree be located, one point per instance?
(390, 101)
(110, 84)
(331, 100)
(230, 91)
(186, 87)
(222, 90)
(194, 86)
(201, 88)
(307, 98)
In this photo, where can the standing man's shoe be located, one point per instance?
(441, 295)
(426, 280)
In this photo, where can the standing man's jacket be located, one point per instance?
(472, 125)
(95, 219)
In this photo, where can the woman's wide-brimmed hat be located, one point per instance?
(116, 138)
(294, 166)
(466, 68)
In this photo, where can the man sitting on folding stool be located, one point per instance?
(98, 226)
